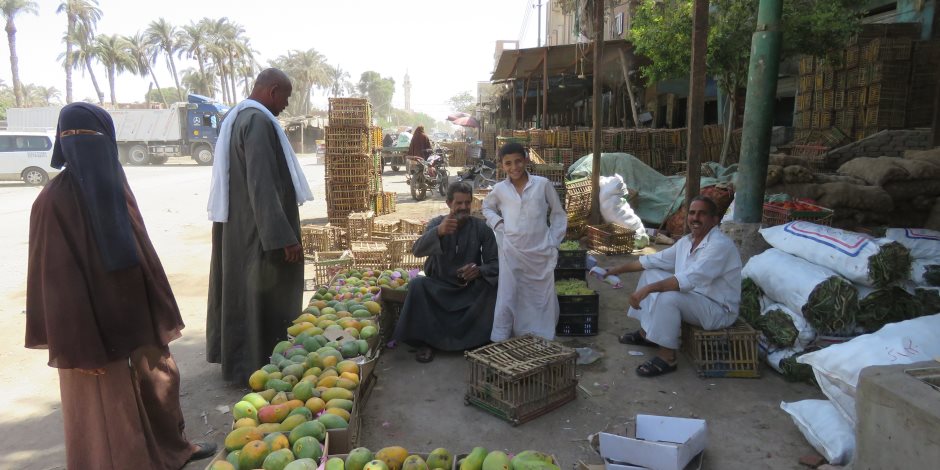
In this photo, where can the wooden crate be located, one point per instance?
(323, 238)
(352, 168)
(348, 140)
(413, 227)
(521, 378)
(610, 239)
(729, 352)
(327, 264)
(360, 225)
(386, 229)
(350, 112)
(369, 254)
(400, 254)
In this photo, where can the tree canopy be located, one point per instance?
(379, 91)
(462, 102)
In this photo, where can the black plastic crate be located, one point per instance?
(571, 259)
(579, 304)
(580, 274)
(578, 325)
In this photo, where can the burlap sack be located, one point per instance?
(774, 175)
(905, 190)
(932, 155)
(876, 171)
(721, 194)
(853, 196)
(780, 159)
(797, 174)
(821, 178)
(919, 169)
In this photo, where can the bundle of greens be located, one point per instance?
(749, 310)
(795, 372)
(778, 328)
(884, 306)
(929, 299)
(892, 263)
(832, 307)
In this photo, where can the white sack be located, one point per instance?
(806, 333)
(615, 208)
(842, 251)
(825, 429)
(785, 278)
(922, 242)
(837, 367)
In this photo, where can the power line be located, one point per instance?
(525, 20)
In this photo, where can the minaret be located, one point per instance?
(407, 87)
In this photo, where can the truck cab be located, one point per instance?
(203, 117)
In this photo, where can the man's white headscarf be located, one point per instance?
(218, 189)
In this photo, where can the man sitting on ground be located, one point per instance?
(697, 280)
(451, 308)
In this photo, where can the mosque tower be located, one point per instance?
(407, 87)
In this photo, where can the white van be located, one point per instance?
(26, 156)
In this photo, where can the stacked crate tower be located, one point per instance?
(350, 166)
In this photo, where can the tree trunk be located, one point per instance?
(202, 73)
(111, 83)
(68, 60)
(14, 64)
(222, 81)
(231, 63)
(729, 127)
(176, 80)
(157, 84)
(94, 80)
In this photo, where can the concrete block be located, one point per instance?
(898, 418)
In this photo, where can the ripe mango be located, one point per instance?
(309, 315)
(343, 382)
(358, 458)
(474, 460)
(291, 422)
(315, 404)
(302, 464)
(439, 458)
(393, 457)
(253, 454)
(245, 423)
(221, 465)
(376, 465)
(328, 381)
(243, 409)
(256, 400)
(303, 391)
(313, 429)
(335, 463)
(373, 307)
(347, 366)
(338, 392)
(257, 380)
(273, 413)
(368, 331)
(277, 441)
(341, 403)
(350, 376)
(339, 412)
(268, 428)
(303, 411)
(308, 447)
(414, 462)
(293, 403)
(332, 421)
(282, 346)
(237, 439)
(278, 459)
(279, 399)
(496, 460)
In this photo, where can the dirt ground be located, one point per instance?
(418, 406)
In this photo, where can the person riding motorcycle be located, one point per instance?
(420, 145)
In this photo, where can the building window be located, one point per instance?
(618, 25)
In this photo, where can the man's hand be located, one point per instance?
(293, 253)
(637, 296)
(469, 272)
(448, 226)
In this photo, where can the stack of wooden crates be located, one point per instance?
(349, 161)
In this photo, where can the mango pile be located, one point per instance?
(363, 285)
(390, 458)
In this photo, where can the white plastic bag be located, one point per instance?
(825, 429)
(922, 242)
(842, 251)
(785, 278)
(837, 367)
(806, 333)
(615, 208)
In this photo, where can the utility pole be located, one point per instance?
(596, 99)
(696, 102)
(538, 42)
(758, 112)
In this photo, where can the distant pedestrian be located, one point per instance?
(98, 300)
(256, 272)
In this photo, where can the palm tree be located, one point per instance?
(192, 40)
(81, 55)
(307, 69)
(84, 13)
(198, 82)
(235, 44)
(219, 54)
(163, 35)
(144, 55)
(113, 52)
(42, 96)
(10, 9)
(339, 81)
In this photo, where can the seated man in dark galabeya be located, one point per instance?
(451, 308)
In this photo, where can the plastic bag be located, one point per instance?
(825, 429)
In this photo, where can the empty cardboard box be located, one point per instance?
(660, 443)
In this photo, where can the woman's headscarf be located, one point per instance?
(93, 160)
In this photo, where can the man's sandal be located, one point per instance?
(424, 355)
(655, 367)
(635, 338)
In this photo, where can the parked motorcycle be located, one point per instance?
(426, 174)
(479, 172)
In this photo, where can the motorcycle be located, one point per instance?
(426, 174)
(479, 172)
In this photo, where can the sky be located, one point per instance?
(446, 46)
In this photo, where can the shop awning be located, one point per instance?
(569, 59)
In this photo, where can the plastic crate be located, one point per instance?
(730, 352)
(562, 273)
(579, 304)
(578, 325)
(522, 378)
(777, 215)
(572, 259)
(610, 239)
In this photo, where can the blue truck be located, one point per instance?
(147, 136)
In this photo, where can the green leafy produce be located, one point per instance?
(778, 328)
(832, 307)
(572, 287)
(796, 372)
(569, 246)
(749, 309)
(932, 274)
(885, 306)
(891, 264)
(929, 300)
